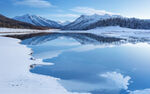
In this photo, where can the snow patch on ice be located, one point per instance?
(116, 79)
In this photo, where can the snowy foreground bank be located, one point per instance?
(14, 70)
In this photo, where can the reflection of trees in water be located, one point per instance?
(83, 38)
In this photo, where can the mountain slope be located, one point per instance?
(85, 20)
(38, 21)
(10, 23)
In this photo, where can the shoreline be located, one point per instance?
(19, 79)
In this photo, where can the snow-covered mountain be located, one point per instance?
(6, 22)
(64, 23)
(85, 20)
(38, 21)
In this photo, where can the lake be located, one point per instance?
(93, 64)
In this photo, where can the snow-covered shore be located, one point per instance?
(14, 70)
(117, 31)
(13, 31)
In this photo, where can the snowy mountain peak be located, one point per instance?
(37, 20)
(26, 16)
(85, 20)
(96, 17)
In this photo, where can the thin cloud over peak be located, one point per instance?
(90, 11)
(62, 15)
(34, 3)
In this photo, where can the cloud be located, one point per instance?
(65, 15)
(61, 15)
(34, 3)
(90, 11)
(145, 91)
(116, 80)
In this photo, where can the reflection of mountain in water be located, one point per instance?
(98, 69)
(83, 38)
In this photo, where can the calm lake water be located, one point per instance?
(85, 64)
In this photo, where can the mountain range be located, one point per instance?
(86, 22)
(10, 23)
(38, 21)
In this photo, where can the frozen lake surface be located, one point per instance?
(88, 63)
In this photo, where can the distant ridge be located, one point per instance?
(10, 23)
(38, 21)
(86, 22)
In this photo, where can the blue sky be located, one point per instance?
(71, 9)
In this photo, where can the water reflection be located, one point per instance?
(100, 66)
(82, 38)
